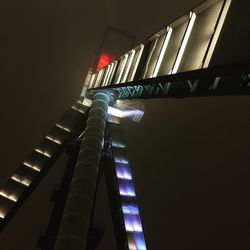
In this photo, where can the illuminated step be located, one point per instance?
(123, 172)
(43, 152)
(130, 209)
(2, 215)
(79, 110)
(32, 166)
(118, 145)
(62, 127)
(126, 191)
(9, 197)
(136, 241)
(23, 181)
(120, 160)
(54, 140)
(132, 223)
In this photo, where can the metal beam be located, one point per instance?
(215, 81)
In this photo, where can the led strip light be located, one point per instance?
(52, 139)
(9, 197)
(130, 60)
(31, 166)
(123, 64)
(163, 50)
(64, 128)
(42, 152)
(184, 43)
(25, 182)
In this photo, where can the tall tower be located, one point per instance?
(180, 60)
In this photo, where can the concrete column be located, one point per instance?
(76, 217)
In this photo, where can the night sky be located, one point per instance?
(189, 157)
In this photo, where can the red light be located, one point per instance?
(103, 61)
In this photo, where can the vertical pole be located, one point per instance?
(76, 217)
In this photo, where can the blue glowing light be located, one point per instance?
(140, 241)
(132, 223)
(120, 160)
(123, 172)
(130, 209)
(126, 190)
(118, 145)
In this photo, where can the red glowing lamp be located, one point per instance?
(103, 61)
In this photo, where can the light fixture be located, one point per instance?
(163, 50)
(184, 43)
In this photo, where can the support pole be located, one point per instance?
(74, 226)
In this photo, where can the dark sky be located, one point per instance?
(190, 157)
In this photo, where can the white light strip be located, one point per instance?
(110, 73)
(33, 167)
(217, 33)
(54, 140)
(123, 64)
(106, 76)
(111, 77)
(130, 60)
(88, 78)
(99, 78)
(92, 81)
(10, 197)
(25, 182)
(42, 152)
(76, 109)
(64, 128)
(148, 62)
(137, 63)
(184, 43)
(120, 160)
(118, 145)
(115, 112)
(163, 50)
(2, 215)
